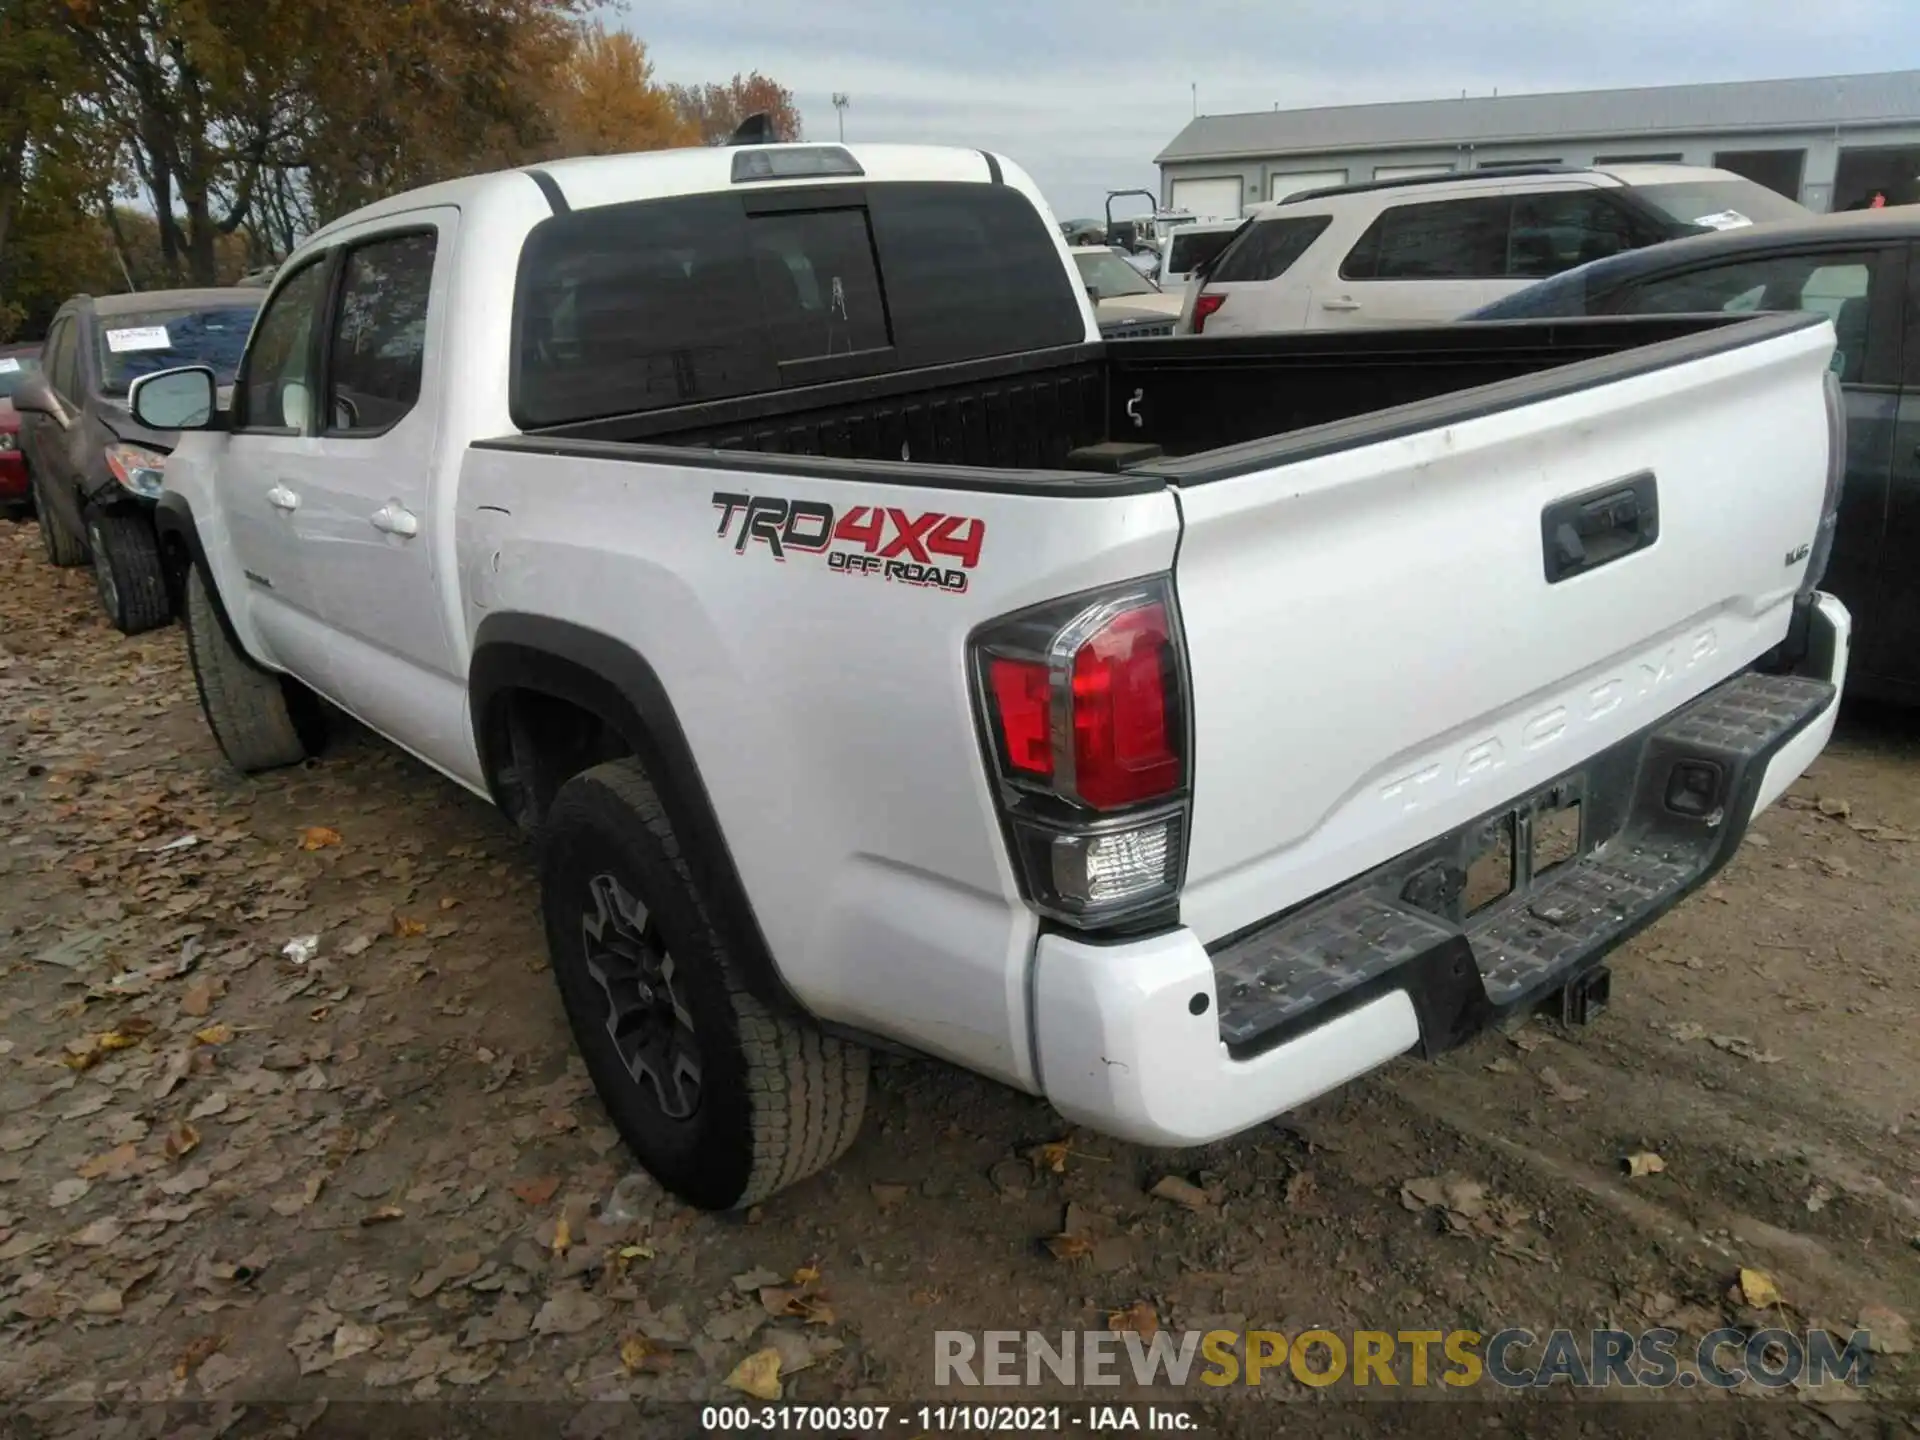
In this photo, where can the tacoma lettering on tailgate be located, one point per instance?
(864, 540)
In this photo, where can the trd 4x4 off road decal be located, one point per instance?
(864, 540)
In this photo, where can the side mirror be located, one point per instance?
(183, 399)
(35, 396)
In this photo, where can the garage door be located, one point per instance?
(1208, 199)
(1280, 186)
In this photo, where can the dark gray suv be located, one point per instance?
(96, 473)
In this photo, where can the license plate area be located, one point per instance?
(1511, 853)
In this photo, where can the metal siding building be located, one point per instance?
(1829, 143)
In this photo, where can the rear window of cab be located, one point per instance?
(627, 308)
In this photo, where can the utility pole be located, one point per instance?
(840, 102)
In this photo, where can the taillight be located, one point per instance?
(1204, 304)
(1816, 570)
(1084, 702)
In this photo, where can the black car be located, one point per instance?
(1862, 269)
(95, 472)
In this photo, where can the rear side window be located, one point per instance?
(1188, 253)
(634, 307)
(1439, 240)
(1267, 249)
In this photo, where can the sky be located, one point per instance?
(1084, 94)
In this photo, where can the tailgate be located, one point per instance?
(1378, 654)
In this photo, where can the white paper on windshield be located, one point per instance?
(8, 365)
(1723, 220)
(140, 337)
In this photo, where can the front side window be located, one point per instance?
(1267, 249)
(276, 384)
(1434, 240)
(130, 344)
(1838, 287)
(1561, 229)
(379, 334)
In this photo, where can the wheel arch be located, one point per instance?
(517, 656)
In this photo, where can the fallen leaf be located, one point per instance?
(562, 1235)
(197, 999)
(186, 1182)
(1758, 1289)
(1559, 1089)
(887, 1196)
(1527, 1041)
(218, 1033)
(182, 1140)
(536, 1192)
(806, 1275)
(408, 929)
(1835, 809)
(1052, 1156)
(636, 1351)
(454, 1267)
(218, 1372)
(1887, 1330)
(384, 1214)
(1139, 1317)
(111, 1165)
(758, 1375)
(1069, 1247)
(318, 837)
(105, 1302)
(1745, 1049)
(214, 1104)
(1644, 1162)
(351, 1340)
(1687, 1030)
(1181, 1192)
(198, 1352)
(1500, 1065)
(568, 1313)
(103, 1231)
(751, 1282)
(68, 1192)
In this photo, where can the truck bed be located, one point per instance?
(1116, 406)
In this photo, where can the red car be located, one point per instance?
(16, 363)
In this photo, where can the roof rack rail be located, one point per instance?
(1449, 178)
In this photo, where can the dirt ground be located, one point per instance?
(381, 1173)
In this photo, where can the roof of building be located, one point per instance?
(1889, 98)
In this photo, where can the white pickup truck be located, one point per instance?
(1176, 729)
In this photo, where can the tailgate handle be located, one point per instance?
(1596, 527)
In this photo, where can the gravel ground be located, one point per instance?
(380, 1174)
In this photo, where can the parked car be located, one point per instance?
(1859, 270)
(878, 656)
(17, 362)
(97, 470)
(1430, 248)
(1128, 304)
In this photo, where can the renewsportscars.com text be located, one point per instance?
(1511, 1359)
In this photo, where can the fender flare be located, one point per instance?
(515, 651)
(173, 521)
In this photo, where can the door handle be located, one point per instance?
(1340, 302)
(1597, 527)
(281, 498)
(395, 520)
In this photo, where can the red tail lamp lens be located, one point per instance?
(1122, 731)
(1203, 306)
(1022, 700)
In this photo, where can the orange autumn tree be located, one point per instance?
(606, 103)
(715, 111)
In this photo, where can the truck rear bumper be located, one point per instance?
(1164, 1042)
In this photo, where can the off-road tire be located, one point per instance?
(246, 707)
(127, 572)
(64, 548)
(779, 1100)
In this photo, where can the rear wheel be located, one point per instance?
(127, 570)
(722, 1099)
(63, 546)
(247, 708)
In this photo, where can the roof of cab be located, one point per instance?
(591, 180)
(146, 302)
